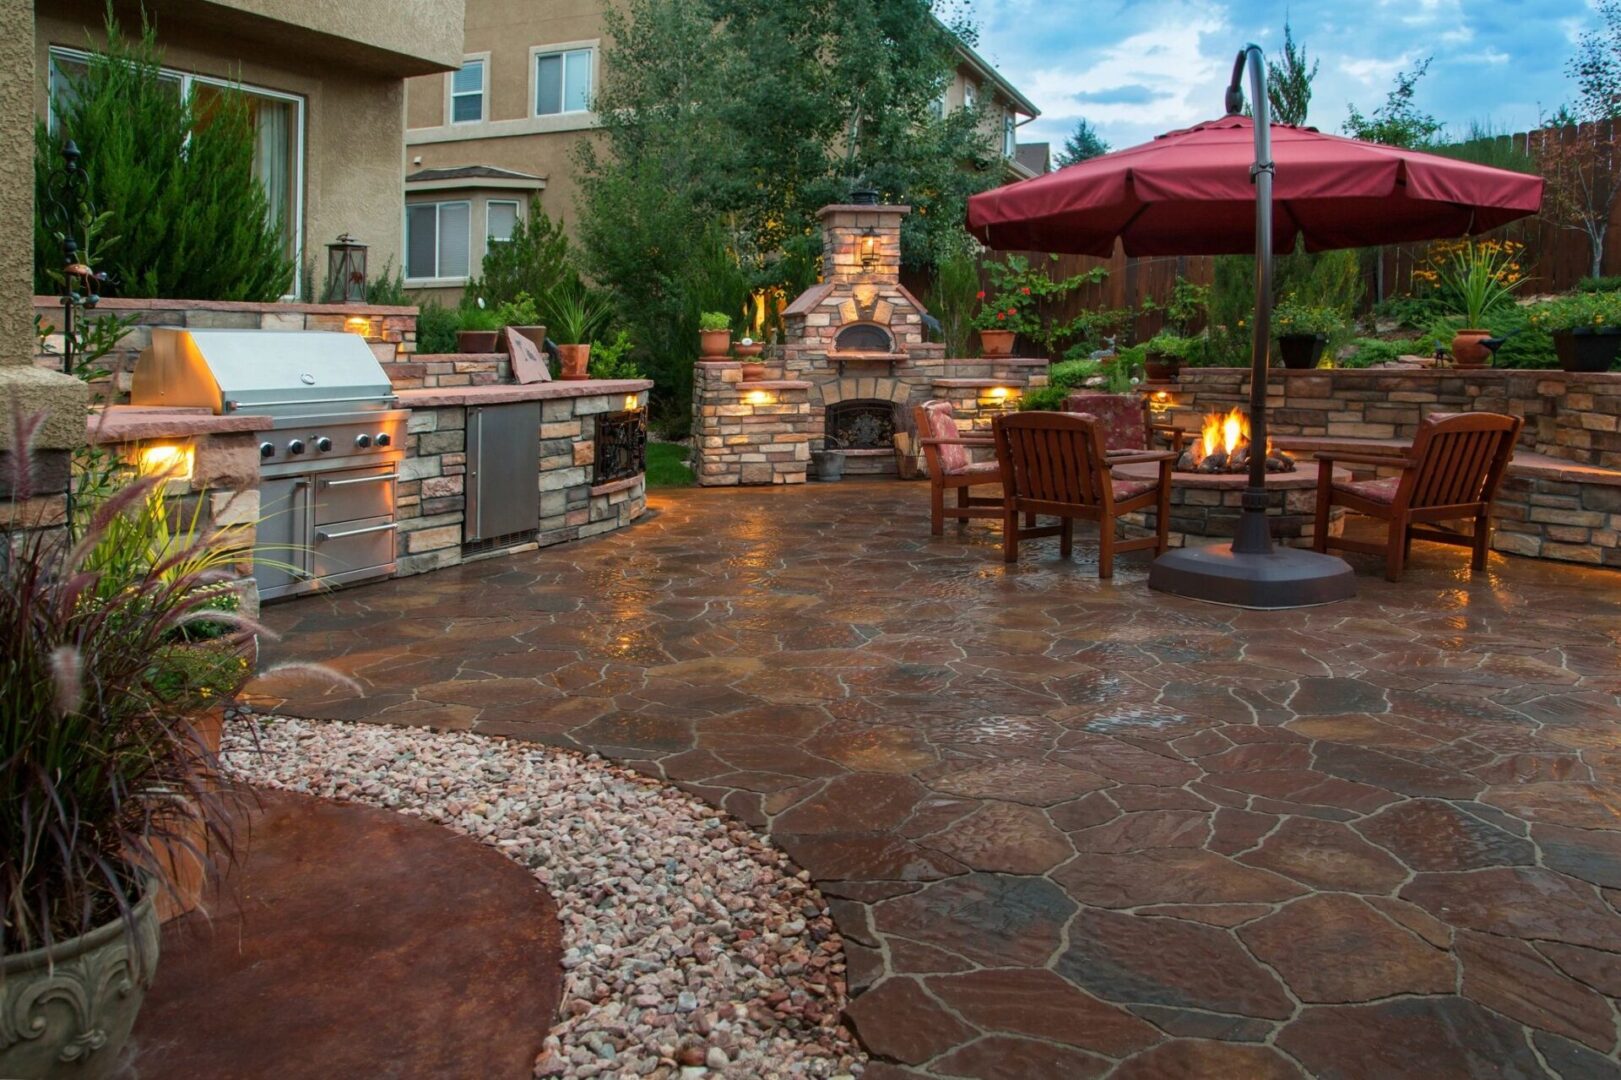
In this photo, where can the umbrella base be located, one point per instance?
(1284, 577)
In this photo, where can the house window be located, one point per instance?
(467, 93)
(278, 133)
(437, 240)
(970, 96)
(937, 107)
(500, 217)
(1010, 136)
(562, 82)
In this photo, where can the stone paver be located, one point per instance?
(1073, 827)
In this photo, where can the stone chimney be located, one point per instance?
(861, 243)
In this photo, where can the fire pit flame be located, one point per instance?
(1223, 446)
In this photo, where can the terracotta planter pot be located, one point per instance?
(1467, 350)
(1157, 367)
(574, 360)
(714, 344)
(996, 342)
(477, 341)
(753, 348)
(76, 1001)
(535, 334)
(753, 372)
(1587, 350)
(1301, 352)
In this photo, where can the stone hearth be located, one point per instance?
(858, 335)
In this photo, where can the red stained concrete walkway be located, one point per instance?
(1076, 828)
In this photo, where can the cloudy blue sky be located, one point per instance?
(1136, 68)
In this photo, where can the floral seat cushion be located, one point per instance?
(1379, 491)
(1130, 489)
(943, 425)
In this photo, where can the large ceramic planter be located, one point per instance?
(1301, 352)
(1467, 350)
(477, 341)
(67, 1011)
(573, 361)
(996, 342)
(714, 344)
(1587, 349)
(1158, 367)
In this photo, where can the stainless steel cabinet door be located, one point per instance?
(281, 561)
(503, 470)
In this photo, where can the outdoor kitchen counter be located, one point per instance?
(133, 423)
(451, 396)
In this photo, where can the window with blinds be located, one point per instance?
(467, 93)
(500, 217)
(437, 240)
(562, 82)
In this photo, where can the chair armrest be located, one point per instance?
(1390, 461)
(987, 441)
(1142, 456)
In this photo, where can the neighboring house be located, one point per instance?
(326, 82)
(481, 140)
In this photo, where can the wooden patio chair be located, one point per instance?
(1128, 423)
(1451, 472)
(946, 452)
(1055, 463)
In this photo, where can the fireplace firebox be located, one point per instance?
(862, 425)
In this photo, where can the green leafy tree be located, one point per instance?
(1579, 150)
(180, 211)
(1399, 121)
(1083, 143)
(1288, 81)
(535, 261)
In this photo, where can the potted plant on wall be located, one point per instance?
(478, 328)
(714, 335)
(1010, 307)
(1303, 331)
(577, 314)
(1163, 355)
(1476, 278)
(1586, 329)
(522, 316)
(107, 774)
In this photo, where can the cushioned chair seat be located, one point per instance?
(1379, 491)
(1130, 489)
(990, 470)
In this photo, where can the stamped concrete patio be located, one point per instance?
(1074, 826)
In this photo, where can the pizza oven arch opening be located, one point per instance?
(864, 337)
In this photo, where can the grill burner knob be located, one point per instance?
(363, 441)
(267, 450)
(296, 446)
(323, 444)
(383, 438)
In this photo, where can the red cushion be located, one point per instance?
(1379, 491)
(1130, 489)
(1120, 415)
(942, 425)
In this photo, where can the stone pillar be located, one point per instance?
(24, 388)
(849, 231)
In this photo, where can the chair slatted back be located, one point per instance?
(1053, 457)
(1460, 459)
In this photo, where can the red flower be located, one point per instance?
(1000, 315)
(1025, 290)
(980, 295)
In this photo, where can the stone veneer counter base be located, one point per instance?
(503, 393)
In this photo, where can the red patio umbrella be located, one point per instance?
(1237, 186)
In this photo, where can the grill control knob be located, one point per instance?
(363, 441)
(267, 450)
(323, 444)
(383, 438)
(296, 446)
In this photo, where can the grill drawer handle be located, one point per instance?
(324, 536)
(232, 404)
(361, 480)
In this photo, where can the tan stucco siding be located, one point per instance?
(413, 34)
(354, 122)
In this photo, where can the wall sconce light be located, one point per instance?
(359, 324)
(868, 249)
(760, 397)
(170, 461)
(632, 403)
(1000, 393)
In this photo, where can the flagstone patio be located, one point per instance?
(1073, 823)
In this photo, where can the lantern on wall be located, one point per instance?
(345, 271)
(868, 250)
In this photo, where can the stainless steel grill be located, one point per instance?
(328, 466)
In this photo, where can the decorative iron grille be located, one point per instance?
(621, 440)
(863, 337)
(862, 425)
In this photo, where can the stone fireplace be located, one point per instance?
(854, 359)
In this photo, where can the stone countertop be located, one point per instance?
(133, 423)
(448, 396)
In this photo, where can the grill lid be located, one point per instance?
(278, 372)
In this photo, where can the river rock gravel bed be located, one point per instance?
(692, 947)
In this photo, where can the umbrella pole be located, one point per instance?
(1251, 572)
(1253, 535)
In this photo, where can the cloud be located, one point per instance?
(1120, 95)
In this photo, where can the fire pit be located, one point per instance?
(1223, 446)
(1210, 503)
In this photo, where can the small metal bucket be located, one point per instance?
(829, 461)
